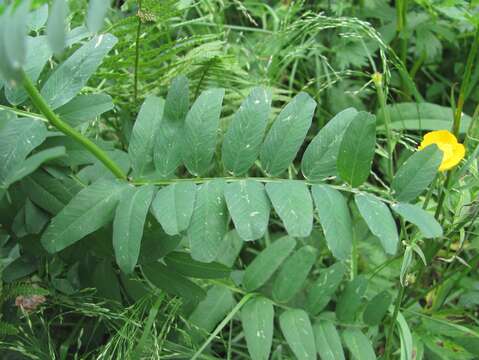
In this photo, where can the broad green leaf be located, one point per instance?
(377, 308)
(156, 244)
(257, 319)
(201, 131)
(417, 173)
(209, 220)
(414, 214)
(35, 219)
(97, 10)
(405, 336)
(249, 208)
(213, 308)
(49, 193)
(298, 332)
(15, 35)
(351, 298)
(85, 108)
(267, 262)
(358, 344)
(319, 159)
(7, 72)
(356, 151)
(287, 134)
(173, 206)
(168, 141)
(19, 268)
(38, 53)
(292, 202)
(335, 220)
(72, 75)
(293, 273)
(106, 281)
(243, 139)
(128, 225)
(56, 25)
(421, 116)
(142, 139)
(170, 281)
(230, 248)
(88, 211)
(37, 18)
(33, 163)
(18, 137)
(328, 342)
(182, 263)
(379, 220)
(324, 287)
(98, 170)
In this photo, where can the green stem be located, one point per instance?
(137, 55)
(465, 83)
(378, 82)
(389, 340)
(53, 118)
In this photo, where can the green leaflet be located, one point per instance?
(298, 332)
(143, 136)
(200, 132)
(292, 201)
(351, 298)
(38, 53)
(15, 36)
(335, 220)
(208, 224)
(356, 151)
(37, 18)
(358, 344)
(85, 108)
(426, 223)
(257, 319)
(379, 220)
(173, 206)
(328, 342)
(319, 159)
(230, 248)
(267, 262)
(243, 139)
(168, 141)
(377, 308)
(182, 263)
(287, 134)
(88, 211)
(18, 137)
(97, 10)
(72, 75)
(417, 173)
(170, 281)
(249, 208)
(128, 225)
(213, 308)
(56, 25)
(293, 273)
(324, 287)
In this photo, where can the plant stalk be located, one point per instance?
(55, 120)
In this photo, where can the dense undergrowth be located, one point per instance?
(225, 179)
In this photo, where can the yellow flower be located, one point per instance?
(453, 152)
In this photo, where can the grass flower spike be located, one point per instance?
(453, 151)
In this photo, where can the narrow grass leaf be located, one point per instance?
(249, 208)
(173, 206)
(267, 262)
(287, 134)
(292, 201)
(335, 220)
(380, 221)
(201, 131)
(257, 319)
(208, 224)
(243, 139)
(293, 274)
(298, 332)
(356, 151)
(128, 225)
(417, 173)
(319, 159)
(414, 214)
